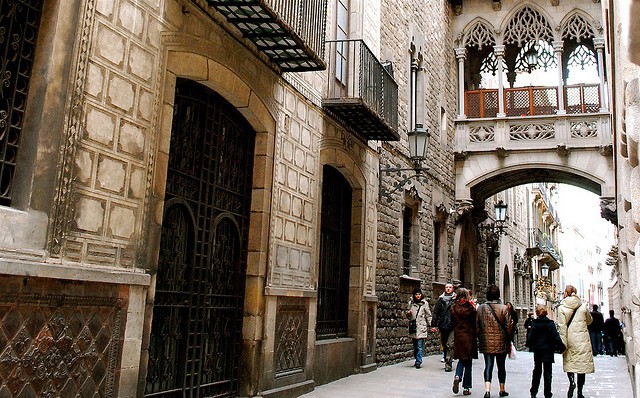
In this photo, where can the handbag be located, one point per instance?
(413, 324)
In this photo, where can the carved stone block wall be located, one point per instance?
(103, 181)
(295, 192)
(63, 344)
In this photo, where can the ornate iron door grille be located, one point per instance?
(196, 332)
(19, 23)
(335, 248)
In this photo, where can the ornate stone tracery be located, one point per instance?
(527, 25)
(479, 35)
(577, 28)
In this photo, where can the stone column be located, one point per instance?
(461, 54)
(557, 49)
(499, 53)
(412, 100)
(599, 45)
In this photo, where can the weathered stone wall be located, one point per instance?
(428, 26)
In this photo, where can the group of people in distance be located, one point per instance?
(609, 330)
(467, 328)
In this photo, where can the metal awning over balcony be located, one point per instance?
(289, 33)
(361, 93)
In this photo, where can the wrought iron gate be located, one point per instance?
(196, 332)
(335, 250)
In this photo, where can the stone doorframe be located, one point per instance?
(201, 61)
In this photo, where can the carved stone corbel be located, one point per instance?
(609, 210)
(501, 152)
(563, 151)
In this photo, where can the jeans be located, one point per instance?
(418, 345)
(535, 380)
(596, 342)
(489, 360)
(464, 368)
(446, 339)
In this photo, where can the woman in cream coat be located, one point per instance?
(578, 358)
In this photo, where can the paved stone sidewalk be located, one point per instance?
(611, 380)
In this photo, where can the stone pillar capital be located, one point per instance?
(498, 50)
(598, 43)
(558, 46)
(461, 53)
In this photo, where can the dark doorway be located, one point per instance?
(196, 332)
(335, 250)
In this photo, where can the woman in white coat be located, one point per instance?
(419, 315)
(573, 319)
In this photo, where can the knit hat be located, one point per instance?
(417, 290)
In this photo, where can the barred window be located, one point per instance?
(19, 22)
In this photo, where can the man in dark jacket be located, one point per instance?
(612, 334)
(543, 341)
(442, 320)
(595, 330)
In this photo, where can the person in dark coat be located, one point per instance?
(595, 330)
(465, 343)
(527, 324)
(612, 334)
(442, 321)
(543, 340)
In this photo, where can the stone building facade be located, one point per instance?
(624, 45)
(185, 208)
(205, 197)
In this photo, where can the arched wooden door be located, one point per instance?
(196, 332)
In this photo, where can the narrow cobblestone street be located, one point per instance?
(611, 380)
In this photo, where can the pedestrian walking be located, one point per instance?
(514, 319)
(573, 319)
(612, 334)
(465, 343)
(528, 323)
(495, 328)
(595, 330)
(419, 315)
(543, 340)
(442, 321)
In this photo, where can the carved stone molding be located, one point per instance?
(606, 150)
(62, 211)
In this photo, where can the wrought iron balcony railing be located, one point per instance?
(361, 93)
(290, 33)
(541, 244)
(532, 101)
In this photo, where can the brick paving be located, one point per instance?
(611, 380)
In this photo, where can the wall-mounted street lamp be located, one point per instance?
(418, 146)
(543, 284)
(497, 228)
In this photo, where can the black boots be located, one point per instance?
(572, 385)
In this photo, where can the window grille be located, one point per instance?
(19, 23)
